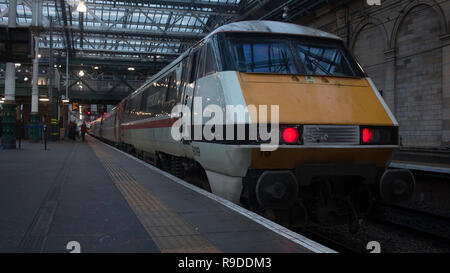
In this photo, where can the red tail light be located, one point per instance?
(290, 135)
(366, 135)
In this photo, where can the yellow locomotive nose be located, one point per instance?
(316, 100)
(319, 100)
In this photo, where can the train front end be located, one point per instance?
(336, 135)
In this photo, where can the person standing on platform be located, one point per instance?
(69, 130)
(83, 130)
(72, 130)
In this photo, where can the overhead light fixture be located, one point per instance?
(17, 65)
(25, 79)
(81, 87)
(44, 99)
(81, 73)
(285, 12)
(39, 55)
(65, 101)
(95, 67)
(131, 68)
(81, 7)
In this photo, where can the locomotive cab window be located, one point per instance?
(323, 60)
(281, 54)
(263, 56)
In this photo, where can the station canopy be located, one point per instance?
(130, 30)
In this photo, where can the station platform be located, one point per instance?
(434, 161)
(105, 200)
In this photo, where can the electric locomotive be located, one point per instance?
(335, 133)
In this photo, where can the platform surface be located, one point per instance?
(108, 201)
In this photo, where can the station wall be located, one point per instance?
(404, 46)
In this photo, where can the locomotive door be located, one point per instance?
(188, 86)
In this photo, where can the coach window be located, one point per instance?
(144, 101)
(128, 107)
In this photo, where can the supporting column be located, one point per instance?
(445, 39)
(9, 106)
(34, 115)
(52, 93)
(36, 29)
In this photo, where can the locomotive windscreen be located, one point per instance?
(279, 54)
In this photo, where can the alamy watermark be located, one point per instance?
(229, 123)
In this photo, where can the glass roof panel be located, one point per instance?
(125, 27)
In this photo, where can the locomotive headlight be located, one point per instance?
(290, 135)
(372, 135)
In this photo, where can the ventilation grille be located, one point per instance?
(330, 135)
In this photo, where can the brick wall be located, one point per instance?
(404, 47)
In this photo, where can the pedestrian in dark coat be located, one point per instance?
(83, 130)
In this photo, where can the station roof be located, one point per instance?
(111, 37)
(140, 30)
(128, 30)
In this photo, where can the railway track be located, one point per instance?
(419, 222)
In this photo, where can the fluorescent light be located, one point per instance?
(95, 67)
(44, 99)
(81, 73)
(25, 79)
(131, 68)
(17, 65)
(65, 101)
(81, 7)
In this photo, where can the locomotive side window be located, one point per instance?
(172, 92)
(184, 73)
(194, 65)
(211, 62)
(201, 62)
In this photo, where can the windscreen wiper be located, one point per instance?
(308, 57)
